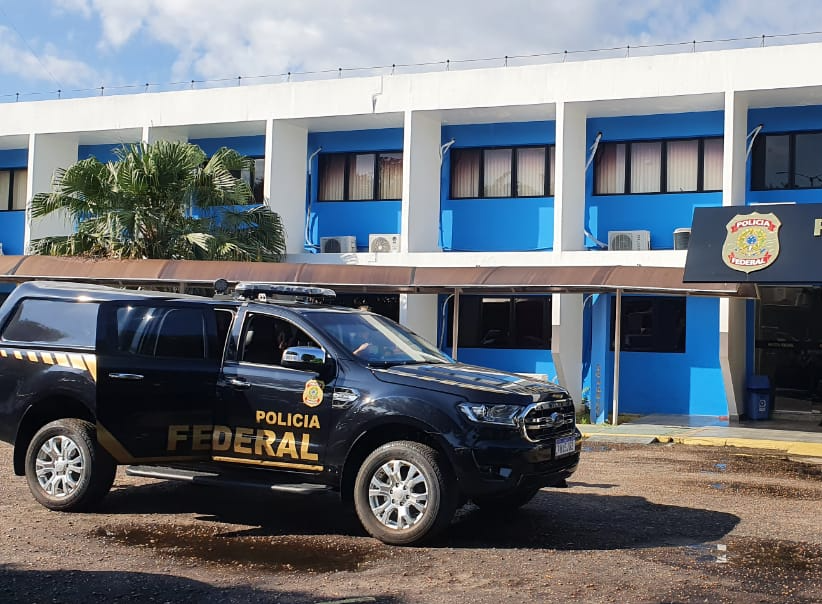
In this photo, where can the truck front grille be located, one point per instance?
(549, 419)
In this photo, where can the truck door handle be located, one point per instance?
(238, 383)
(125, 376)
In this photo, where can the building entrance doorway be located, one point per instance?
(788, 347)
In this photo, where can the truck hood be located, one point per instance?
(472, 382)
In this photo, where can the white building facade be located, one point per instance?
(541, 165)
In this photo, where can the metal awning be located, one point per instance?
(370, 278)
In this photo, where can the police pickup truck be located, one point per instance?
(271, 387)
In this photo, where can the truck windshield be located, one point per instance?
(376, 340)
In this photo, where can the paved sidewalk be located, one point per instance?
(795, 437)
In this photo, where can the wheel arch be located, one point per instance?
(394, 429)
(38, 415)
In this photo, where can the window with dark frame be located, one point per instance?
(787, 161)
(502, 172)
(651, 324)
(659, 166)
(360, 176)
(13, 189)
(254, 177)
(503, 322)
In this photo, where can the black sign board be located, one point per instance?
(769, 244)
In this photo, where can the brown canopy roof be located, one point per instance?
(368, 278)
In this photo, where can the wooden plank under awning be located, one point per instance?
(370, 278)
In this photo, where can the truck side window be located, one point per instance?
(53, 322)
(265, 337)
(162, 332)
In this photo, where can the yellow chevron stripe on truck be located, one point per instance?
(75, 360)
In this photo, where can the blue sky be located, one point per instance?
(78, 45)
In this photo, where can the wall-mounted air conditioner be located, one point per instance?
(338, 245)
(386, 242)
(681, 238)
(629, 240)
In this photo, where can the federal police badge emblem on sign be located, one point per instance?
(752, 242)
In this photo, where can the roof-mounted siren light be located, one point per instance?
(271, 292)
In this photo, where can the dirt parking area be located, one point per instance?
(645, 523)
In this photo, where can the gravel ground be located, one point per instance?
(645, 523)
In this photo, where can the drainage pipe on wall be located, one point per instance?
(617, 347)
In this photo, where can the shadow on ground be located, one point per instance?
(554, 519)
(18, 585)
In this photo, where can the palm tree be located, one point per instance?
(162, 200)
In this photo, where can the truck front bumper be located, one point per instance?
(497, 466)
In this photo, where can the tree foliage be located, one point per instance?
(164, 200)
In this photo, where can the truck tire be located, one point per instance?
(507, 501)
(65, 468)
(402, 494)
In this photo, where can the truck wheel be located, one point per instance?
(66, 469)
(507, 501)
(401, 494)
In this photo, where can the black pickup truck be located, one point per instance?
(271, 387)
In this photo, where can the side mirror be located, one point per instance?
(307, 358)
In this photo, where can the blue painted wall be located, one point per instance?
(358, 218)
(13, 159)
(688, 383)
(781, 120)
(13, 223)
(515, 361)
(252, 146)
(103, 153)
(658, 213)
(500, 224)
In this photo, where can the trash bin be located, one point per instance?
(759, 402)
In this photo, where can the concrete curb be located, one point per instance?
(803, 449)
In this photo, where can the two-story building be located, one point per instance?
(583, 163)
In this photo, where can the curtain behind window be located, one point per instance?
(712, 169)
(551, 170)
(497, 166)
(332, 178)
(531, 172)
(361, 176)
(20, 192)
(609, 175)
(646, 167)
(465, 173)
(390, 175)
(683, 164)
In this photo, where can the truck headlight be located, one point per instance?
(486, 413)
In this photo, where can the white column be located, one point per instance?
(152, 134)
(566, 343)
(286, 165)
(732, 353)
(418, 312)
(47, 153)
(734, 161)
(569, 223)
(569, 190)
(420, 182)
(732, 316)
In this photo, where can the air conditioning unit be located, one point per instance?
(629, 240)
(681, 238)
(385, 242)
(338, 245)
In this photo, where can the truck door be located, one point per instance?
(269, 415)
(157, 371)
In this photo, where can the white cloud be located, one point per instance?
(48, 67)
(215, 38)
